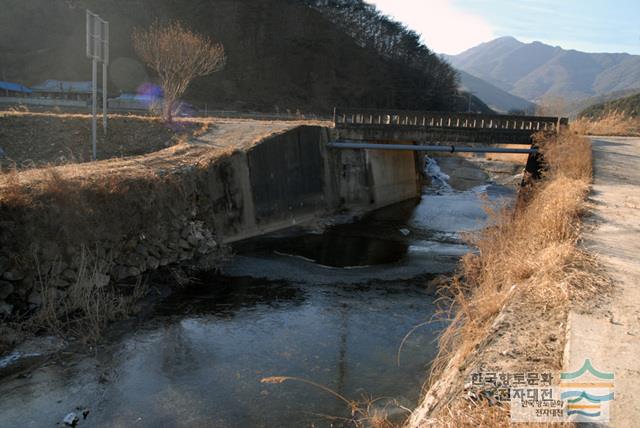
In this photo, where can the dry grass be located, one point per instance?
(530, 255)
(364, 413)
(613, 123)
(88, 306)
(537, 243)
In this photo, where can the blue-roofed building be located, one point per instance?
(10, 89)
(60, 89)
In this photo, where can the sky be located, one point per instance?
(452, 26)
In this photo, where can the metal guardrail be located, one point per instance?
(357, 118)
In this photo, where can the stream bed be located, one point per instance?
(328, 307)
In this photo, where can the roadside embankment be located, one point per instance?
(508, 303)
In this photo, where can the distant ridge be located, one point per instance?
(536, 71)
(499, 100)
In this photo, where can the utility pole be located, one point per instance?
(97, 51)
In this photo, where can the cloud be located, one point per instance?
(444, 27)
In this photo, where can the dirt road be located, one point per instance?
(223, 136)
(610, 336)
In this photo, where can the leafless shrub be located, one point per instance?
(178, 55)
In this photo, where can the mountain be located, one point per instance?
(536, 71)
(630, 106)
(281, 54)
(494, 97)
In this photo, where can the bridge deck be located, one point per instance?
(358, 118)
(440, 127)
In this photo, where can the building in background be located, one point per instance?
(16, 90)
(63, 90)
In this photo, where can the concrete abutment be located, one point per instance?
(182, 216)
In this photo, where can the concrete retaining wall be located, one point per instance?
(282, 181)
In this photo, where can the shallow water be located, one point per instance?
(330, 308)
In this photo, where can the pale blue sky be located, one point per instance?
(451, 26)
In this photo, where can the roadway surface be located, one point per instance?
(610, 335)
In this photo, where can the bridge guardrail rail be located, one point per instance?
(356, 118)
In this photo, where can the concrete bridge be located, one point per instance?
(423, 128)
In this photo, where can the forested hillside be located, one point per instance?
(629, 106)
(282, 54)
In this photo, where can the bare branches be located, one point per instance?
(178, 55)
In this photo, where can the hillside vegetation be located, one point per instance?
(536, 71)
(282, 54)
(628, 106)
(617, 117)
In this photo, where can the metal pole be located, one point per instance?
(88, 36)
(94, 105)
(425, 148)
(105, 64)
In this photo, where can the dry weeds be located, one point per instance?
(613, 123)
(87, 307)
(529, 256)
(364, 413)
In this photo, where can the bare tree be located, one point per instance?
(178, 55)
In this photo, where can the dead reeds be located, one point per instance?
(531, 255)
(612, 123)
(87, 307)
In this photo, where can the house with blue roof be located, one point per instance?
(10, 89)
(64, 90)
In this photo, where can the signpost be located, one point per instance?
(97, 51)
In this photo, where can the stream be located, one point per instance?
(329, 307)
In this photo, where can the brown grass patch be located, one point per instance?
(613, 123)
(528, 260)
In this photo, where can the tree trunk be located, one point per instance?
(167, 110)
